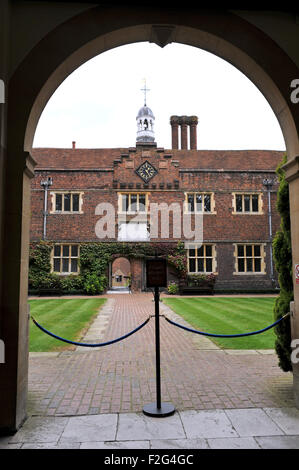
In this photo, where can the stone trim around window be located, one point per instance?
(54, 201)
(261, 257)
(130, 199)
(201, 253)
(203, 194)
(251, 203)
(65, 254)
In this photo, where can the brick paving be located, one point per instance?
(120, 378)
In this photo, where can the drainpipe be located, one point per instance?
(268, 183)
(46, 184)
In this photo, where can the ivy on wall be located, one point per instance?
(282, 253)
(94, 260)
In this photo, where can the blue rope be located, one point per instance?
(226, 336)
(88, 344)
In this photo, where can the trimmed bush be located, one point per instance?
(282, 254)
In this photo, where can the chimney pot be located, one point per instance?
(74, 144)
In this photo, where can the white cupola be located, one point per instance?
(145, 122)
(145, 125)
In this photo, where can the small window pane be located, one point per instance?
(141, 202)
(248, 250)
(239, 203)
(65, 265)
(76, 202)
(192, 265)
(240, 250)
(247, 203)
(255, 203)
(241, 265)
(207, 199)
(257, 250)
(58, 206)
(74, 265)
(257, 265)
(200, 265)
(57, 249)
(56, 265)
(191, 252)
(200, 251)
(67, 202)
(191, 202)
(208, 250)
(249, 264)
(65, 250)
(133, 202)
(74, 250)
(198, 202)
(125, 202)
(209, 265)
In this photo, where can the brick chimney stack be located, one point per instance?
(193, 121)
(184, 132)
(184, 122)
(174, 121)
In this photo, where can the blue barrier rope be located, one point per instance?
(226, 336)
(96, 345)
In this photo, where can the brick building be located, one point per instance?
(230, 190)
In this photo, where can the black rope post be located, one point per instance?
(158, 409)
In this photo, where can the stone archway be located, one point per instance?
(57, 54)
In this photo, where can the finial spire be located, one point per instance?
(144, 90)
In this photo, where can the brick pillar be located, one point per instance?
(193, 121)
(184, 132)
(174, 121)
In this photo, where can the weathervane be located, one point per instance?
(144, 90)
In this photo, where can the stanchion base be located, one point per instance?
(151, 409)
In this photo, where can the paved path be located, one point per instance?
(120, 378)
(268, 428)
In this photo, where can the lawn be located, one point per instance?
(68, 318)
(225, 315)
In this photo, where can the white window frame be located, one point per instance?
(204, 257)
(129, 194)
(262, 258)
(203, 194)
(250, 212)
(62, 193)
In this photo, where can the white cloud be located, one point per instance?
(97, 104)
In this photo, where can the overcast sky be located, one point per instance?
(96, 106)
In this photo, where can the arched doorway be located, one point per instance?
(60, 51)
(120, 275)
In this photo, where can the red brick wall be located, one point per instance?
(101, 173)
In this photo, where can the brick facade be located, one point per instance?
(99, 175)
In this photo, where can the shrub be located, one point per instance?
(282, 255)
(173, 288)
(94, 284)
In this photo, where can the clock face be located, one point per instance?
(146, 171)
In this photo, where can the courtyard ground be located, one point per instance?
(93, 398)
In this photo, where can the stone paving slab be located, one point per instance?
(278, 442)
(253, 422)
(286, 418)
(132, 425)
(38, 430)
(90, 428)
(207, 424)
(233, 443)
